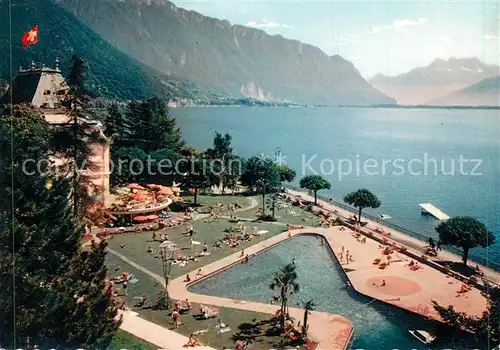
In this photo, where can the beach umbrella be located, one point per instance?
(139, 198)
(154, 186)
(141, 218)
(152, 217)
(165, 192)
(191, 190)
(167, 244)
(135, 186)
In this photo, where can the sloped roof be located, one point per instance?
(24, 87)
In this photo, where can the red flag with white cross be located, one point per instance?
(30, 37)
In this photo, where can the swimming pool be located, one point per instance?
(376, 325)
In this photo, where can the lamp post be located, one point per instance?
(167, 250)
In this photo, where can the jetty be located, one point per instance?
(429, 209)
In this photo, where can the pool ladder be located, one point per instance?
(423, 309)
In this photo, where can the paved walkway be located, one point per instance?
(155, 334)
(407, 240)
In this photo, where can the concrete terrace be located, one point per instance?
(391, 234)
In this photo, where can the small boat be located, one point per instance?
(423, 336)
(385, 217)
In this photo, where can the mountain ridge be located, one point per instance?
(422, 85)
(233, 59)
(484, 93)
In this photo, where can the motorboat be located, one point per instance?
(423, 336)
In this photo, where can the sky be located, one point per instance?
(387, 37)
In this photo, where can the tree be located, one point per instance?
(308, 307)
(128, 165)
(314, 183)
(42, 233)
(361, 199)
(165, 131)
(116, 125)
(262, 176)
(286, 280)
(466, 233)
(223, 161)
(485, 328)
(195, 178)
(271, 203)
(154, 127)
(287, 174)
(73, 141)
(163, 168)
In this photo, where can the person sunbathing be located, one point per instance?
(142, 301)
(187, 279)
(193, 342)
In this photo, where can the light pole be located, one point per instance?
(167, 250)
(277, 155)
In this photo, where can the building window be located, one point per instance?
(46, 92)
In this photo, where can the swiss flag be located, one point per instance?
(30, 37)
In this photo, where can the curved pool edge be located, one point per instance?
(331, 331)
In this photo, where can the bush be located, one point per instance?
(267, 217)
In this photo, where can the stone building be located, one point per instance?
(46, 89)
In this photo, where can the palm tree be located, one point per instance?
(271, 203)
(308, 306)
(286, 280)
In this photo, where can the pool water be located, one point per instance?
(376, 325)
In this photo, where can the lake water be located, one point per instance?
(450, 158)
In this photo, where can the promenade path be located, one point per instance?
(154, 334)
(407, 240)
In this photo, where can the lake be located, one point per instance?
(450, 158)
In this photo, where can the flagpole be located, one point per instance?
(14, 335)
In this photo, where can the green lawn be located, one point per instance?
(288, 214)
(207, 200)
(124, 340)
(246, 325)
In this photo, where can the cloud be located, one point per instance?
(402, 24)
(491, 37)
(266, 24)
(446, 38)
(399, 25)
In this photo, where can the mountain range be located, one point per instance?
(437, 83)
(484, 93)
(140, 48)
(231, 59)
